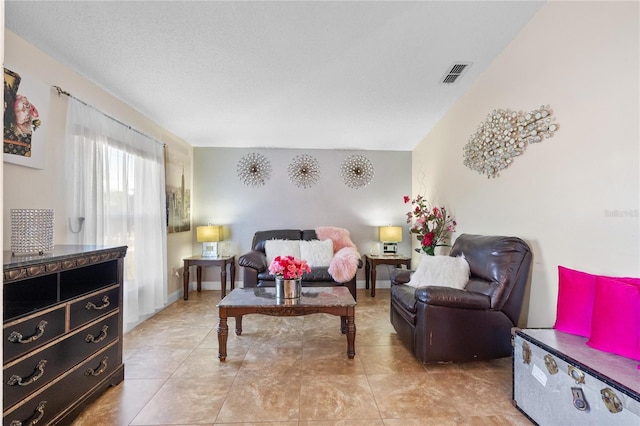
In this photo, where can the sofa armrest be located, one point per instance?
(400, 276)
(452, 298)
(254, 259)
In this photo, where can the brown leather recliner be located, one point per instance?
(447, 324)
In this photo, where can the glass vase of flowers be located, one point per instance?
(288, 272)
(432, 225)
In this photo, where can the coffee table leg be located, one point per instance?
(239, 325)
(351, 337)
(223, 332)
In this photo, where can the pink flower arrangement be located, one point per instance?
(432, 226)
(288, 267)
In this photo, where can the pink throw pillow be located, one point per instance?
(576, 292)
(339, 236)
(615, 325)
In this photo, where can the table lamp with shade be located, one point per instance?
(390, 236)
(209, 236)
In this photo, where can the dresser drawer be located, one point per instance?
(31, 373)
(55, 398)
(31, 332)
(92, 306)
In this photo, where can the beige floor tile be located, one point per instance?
(185, 401)
(350, 422)
(422, 421)
(330, 359)
(388, 360)
(120, 404)
(266, 398)
(339, 397)
(203, 362)
(494, 421)
(154, 363)
(410, 396)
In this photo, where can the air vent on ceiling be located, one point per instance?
(455, 72)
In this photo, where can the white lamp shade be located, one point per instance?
(209, 234)
(391, 234)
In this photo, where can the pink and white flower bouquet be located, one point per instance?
(288, 267)
(432, 226)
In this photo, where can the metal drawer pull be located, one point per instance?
(611, 400)
(37, 373)
(105, 303)
(16, 337)
(103, 335)
(38, 414)
(99, 371)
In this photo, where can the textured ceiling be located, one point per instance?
(351, 75)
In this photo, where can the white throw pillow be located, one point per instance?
(316, 252)
(446, 271)
(275, 248)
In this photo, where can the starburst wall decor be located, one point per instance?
(254, 169)
(304, 171)
(504, 135)
(356, 171)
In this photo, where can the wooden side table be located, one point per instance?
(371, 262)
(200, 261)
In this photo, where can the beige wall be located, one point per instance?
(575, 197)
(31, 188)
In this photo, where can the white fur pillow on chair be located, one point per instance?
(445, 271)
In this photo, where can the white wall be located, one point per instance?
(575, 197)
(221, 198)
(25, 187)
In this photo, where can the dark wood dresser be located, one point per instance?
(62, 325)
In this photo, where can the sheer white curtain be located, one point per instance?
(115, 181)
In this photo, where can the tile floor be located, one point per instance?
(293, 371)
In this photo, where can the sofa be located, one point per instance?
(255, 263)
(439, 323)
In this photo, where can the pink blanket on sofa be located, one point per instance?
(344, 264)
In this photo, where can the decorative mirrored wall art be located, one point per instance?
(357, 171)
(504, 135)
(304, 171)
(254, 169)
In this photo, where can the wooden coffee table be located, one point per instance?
(262, 300)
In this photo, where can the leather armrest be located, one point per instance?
(254, 259)
(452, 297)
(400, 276)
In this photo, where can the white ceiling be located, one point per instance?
(296, 74)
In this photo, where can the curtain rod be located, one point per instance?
(62, 92)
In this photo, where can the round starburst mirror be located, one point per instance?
(357, 171)
(304, 171)
(254, 169)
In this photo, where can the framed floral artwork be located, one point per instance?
(26, 103)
